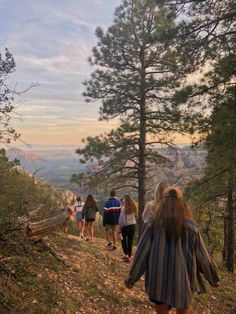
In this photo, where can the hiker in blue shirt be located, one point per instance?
(111, 215)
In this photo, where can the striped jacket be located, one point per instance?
(111, 212)
(171, 275)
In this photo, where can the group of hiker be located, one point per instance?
(171, 252)
(118, 220)
(85, 214)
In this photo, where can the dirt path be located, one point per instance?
(96, 279)
(89, 280)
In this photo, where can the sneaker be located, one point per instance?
(112, 247)
(127, 260)
(109, 244)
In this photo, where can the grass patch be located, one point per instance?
(93, 283)
(203, 298)
(6, 301)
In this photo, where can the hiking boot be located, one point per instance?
(109, 244)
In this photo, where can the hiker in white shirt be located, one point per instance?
(78, 206)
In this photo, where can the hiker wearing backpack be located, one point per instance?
(89, 211)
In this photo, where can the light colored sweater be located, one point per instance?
(147, 213)
(126, 220)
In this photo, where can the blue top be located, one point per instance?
(111, 211)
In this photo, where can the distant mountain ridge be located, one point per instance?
(56, 164)
(52, 165)
(16, 153)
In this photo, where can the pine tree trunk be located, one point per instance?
(142, 157)
(224, 253)
(230, 231)
(142, 184)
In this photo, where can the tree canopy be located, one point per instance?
(7, 67)
(135, 70)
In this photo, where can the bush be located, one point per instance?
(21, 192)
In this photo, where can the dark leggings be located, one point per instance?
(128, 236)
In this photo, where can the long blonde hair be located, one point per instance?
(158, 195)
(172, 213)
(129, 205)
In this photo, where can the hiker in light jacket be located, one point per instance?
(152, 206)
(127, 224)
(173, 256)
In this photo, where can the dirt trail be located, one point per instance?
(74, 276)
(101, 274)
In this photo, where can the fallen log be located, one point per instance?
(32, 215)
(37, 230)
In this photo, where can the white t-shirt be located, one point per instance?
(78, 207)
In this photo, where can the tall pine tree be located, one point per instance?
(7, 66)
(206, 39)
(135, 69)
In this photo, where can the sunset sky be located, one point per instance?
(51, 41)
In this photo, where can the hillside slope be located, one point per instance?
(33, 281)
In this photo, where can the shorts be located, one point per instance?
(111, 227)
(79, 216)
(161, 303)
(90, 220)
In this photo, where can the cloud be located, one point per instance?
(75, 18)
(62, 131)
(51, 41)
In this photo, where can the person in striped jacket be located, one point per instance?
(111, 215)
(173, 256)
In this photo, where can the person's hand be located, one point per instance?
(128, 284)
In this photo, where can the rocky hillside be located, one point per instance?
(187, 164)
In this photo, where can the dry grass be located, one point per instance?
(34, 281)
